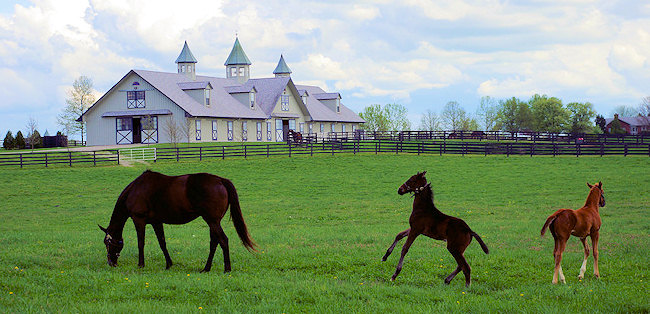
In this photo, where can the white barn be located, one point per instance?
(158, 107)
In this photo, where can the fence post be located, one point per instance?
(332, 148)
(70, 159)
(602, 149)
(577, 150)
(508, 149)
(267, 150)
(418, 148)
(94, 158)
(245, 151)
(45, 160)
(21, 160)
(223, 152)
(532, 149)
(177, 154)
(289, 150)
(625, 153)
(311, 148)
(118, 156)
(200, 153)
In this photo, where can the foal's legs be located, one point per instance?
(584, 262)
(160, 234)
(140, 225)
(218, 237)
(405, 249)
(462, 265)
(399, 236)
(560, 245)
(594, 243)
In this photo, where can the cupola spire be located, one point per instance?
(237, 64)
(186, 62)
(282, 69)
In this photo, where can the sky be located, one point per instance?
(417, 53)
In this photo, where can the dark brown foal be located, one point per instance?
(428, 220)
(582, 223)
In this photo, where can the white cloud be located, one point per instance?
(363, 12)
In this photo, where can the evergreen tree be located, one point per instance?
(20, 140)
(9, 142)
(601, 123)
(37, 139)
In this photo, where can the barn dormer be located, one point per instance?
(237, 64)
(186, 62)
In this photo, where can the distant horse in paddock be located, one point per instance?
(157, 199)
(428, 220)
(580, 223)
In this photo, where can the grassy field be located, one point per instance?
(322, 225)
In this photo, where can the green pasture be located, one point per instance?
(322, 225)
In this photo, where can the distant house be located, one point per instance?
(632, 125)
(154, 107)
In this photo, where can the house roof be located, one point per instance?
(282, 67)
(186, 55)
(237, 55)
(320, 112)
(633, 121)
(327, 96)
(136, 112)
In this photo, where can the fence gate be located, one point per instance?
(138, 154)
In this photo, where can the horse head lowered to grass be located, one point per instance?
(157, 199)
(428, 220)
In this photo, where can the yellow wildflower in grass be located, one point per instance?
(463, 292)
(11, 292)
(521, 294)
(200, 308)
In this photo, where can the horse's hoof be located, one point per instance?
(140, 266)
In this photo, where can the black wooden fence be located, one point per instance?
(334, 147)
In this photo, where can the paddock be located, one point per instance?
(322, 224)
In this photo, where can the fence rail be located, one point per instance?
(334, 147)
(490, 136)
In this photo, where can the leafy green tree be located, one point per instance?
(453, 115)
(80, 97)
(9, 142)
(513, 115)
(487, 113)
(375, 119)
(549, 115)
(429, 121)
(20, 140)
(581, 115)
(390, 117)
(601, 123)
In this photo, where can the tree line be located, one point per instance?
(540, 113)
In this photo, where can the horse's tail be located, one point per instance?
(237, 218)
(480, 241)
(548, 222)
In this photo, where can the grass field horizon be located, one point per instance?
(322, 225)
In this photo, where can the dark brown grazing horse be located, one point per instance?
(428, 220)
(580, 223)
(157, 199)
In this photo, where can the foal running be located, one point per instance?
(428, 220)
(580, 223)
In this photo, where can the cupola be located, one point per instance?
(186, 62)
(237, 64)
(282, 69)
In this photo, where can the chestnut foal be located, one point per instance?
(428, 220)
(580, 223)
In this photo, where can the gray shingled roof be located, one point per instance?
(186, 55)
(194, 85)
(223, 106)
(320, 112)
(635, 121)
(237, 55)
(327, 96)
(282, 67)
(136, 112)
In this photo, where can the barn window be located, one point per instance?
(207, 97)
(229, 124)
(259, 131)
(252, 99)
(214, 130)
(135, 99)
(197, 123)
(233, 72)
(244, 131)
(269, 131)
(285, 102)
